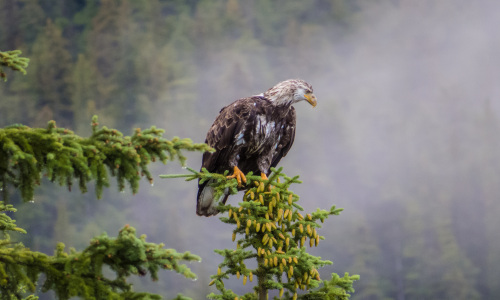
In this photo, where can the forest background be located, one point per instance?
(404, 137)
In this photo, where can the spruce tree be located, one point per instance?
(80, 273)
(274, 234)
(27, 153)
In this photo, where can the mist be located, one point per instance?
(404, 138)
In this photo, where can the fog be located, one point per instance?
(404, 138)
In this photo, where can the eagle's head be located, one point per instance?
(291, 91)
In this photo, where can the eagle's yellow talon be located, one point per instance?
(264, 177)
(240, 177)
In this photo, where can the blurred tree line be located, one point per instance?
(432, 235)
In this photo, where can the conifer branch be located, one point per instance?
(6, 223)
(80, 274)
(11, 59)
(275, 234)
(60, 155)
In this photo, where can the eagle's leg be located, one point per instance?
(238, 175)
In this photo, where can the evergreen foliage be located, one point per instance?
(12, 60)
(81, 273)
(27, 154)
(274, 234)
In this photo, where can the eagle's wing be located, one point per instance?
(223, 136)
(287, 137)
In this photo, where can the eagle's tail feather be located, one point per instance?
(206, 203)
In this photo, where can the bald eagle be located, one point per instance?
(251, 134)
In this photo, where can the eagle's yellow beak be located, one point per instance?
(311, 99)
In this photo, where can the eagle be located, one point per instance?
(251, 134)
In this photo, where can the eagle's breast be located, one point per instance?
(266, 131)
(263, 129)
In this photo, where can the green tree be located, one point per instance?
(111, 49)
(81, 273)
(20, 23)
(51, 76)
(274, 236)
(84, 94)
(27, 153)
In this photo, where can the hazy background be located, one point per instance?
(404, 137)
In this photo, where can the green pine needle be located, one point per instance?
(12, 60)
(271, 230)
(80, 274)
(28, 154)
